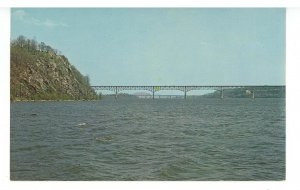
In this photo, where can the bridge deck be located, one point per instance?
(185, 89)
(182, 88)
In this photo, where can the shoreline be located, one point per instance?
(83, 100)
(13, 101)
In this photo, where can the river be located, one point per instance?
(145, 139)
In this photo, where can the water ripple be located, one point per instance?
(206, 139)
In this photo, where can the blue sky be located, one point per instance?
(164, 46)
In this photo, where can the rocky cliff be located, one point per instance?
(39, 72)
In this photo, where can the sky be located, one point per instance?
(175, 46)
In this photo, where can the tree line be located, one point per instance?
(33, 45)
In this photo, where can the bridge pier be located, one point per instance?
(185, 92)
(116, 95)
(253, 96)
(153, 92)
(222, 95)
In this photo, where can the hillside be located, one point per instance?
(39, 72)
(263, 92)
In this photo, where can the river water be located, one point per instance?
(144, 139)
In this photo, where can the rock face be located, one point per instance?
(43, 74)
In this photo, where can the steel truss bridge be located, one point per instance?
(251, 88)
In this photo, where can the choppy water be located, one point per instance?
(206, 139)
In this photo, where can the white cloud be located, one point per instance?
(26, 18)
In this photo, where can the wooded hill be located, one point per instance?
(262, 92)
(40, 72)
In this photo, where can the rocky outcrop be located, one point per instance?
(43, 74)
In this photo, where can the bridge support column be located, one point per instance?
(116, 95)
(222, 95)
(153, 92)
(253, 96)
(185, 92)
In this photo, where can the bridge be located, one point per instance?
(249, 88)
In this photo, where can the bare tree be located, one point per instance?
(21, 41)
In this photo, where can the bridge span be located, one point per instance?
(250, 88)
